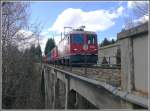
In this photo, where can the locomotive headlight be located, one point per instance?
(92, 46)
(75, 49)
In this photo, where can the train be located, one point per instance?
(77, 47)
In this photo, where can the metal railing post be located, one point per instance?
(85, 63)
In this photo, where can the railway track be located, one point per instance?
(110, 75)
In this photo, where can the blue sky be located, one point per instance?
(105, 18)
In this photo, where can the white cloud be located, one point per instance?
(120, 10)
(97, 20)
(130, 4)
(110, 38)
(26, 33)
(26, 43)
(57, 39)
(142, 19)
(25, 39)
(44, 33)
(43, 40)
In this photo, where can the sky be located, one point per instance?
(105, 18)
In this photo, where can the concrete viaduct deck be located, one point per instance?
(100, 94)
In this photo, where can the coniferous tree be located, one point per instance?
(49, 46)
(38, 51)
(107, 42)
(112, 41)
(35, 53)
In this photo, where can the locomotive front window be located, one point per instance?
(77, 39)
(91, 39)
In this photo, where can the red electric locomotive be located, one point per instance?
(76, 46)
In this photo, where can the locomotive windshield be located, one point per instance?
(77, 39)
(91, 39)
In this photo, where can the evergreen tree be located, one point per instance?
(113, 41)
(38, 51)
(107, 42)
(35, 53)
(49, 46)
(32, 51)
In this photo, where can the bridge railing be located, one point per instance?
(136, 99)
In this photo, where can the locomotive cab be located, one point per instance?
(78, 40)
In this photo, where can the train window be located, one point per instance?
(68, 39)
(91, 39)
(77, 39)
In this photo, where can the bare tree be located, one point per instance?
(140, 12)
(14, 17)
(17, 65)
(141, 9)
(128, 23)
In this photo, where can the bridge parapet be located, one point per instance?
(65, 86)
(134, 58)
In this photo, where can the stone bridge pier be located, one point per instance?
(58, 95)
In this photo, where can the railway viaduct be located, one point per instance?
(66, 90)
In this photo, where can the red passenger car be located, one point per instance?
(45, 59)
(54, 55)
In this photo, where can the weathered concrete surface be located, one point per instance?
(108, 51)
(110, 76)
(134, 65)
(82, 103)
(98, 94)
(126, 64)
(134, 31)
(54, 91)
(49, 91)
(58, 94)
(140, 51)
